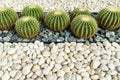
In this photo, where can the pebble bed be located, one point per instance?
(61, 61)
(48, 36)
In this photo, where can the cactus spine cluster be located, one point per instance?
(109, 18)
(34, 11)
(83, 26)
(27, 27)
(8, 18)
(80, 11)
(57, 20)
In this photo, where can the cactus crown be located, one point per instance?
(83, 26)
(57, 20)
(79, 11)
(27, 27)
(34, 11)
(109, 18)
(7, 18)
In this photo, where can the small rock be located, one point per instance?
(18, 75)
(1, 73)
(104, 67)
(5, 76)
(117, 55)
(46, 71)
(26, 69)
(95, 77)
(60, 73)
(118, 68)
(61, 78)
(57, 67)
(65, 69)
(46, 53)
(13, 73)
(111, 66)
(78, 77)
(84, 74)
(59, 59)
(78, 65)
(35, 68)
(41, 61)
(95, 63)
(68, 76)
(112, 72)
(4, 61)
(67, 50)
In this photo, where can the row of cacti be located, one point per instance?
(82, 25)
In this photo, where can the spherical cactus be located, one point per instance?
(8, 18)
(83, 26)
(57, 20)
(34, 11)
(109, 18)
(27, 27)
(80, 11)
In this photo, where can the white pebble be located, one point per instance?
(59, 59)
(1, 73)
(111, 66)
(13, 73)
(67, 50)
(95, 77)
(61, 78)
(18, 75)
(5, 76)
(4, 61)
(46, 70)
(46, 53)
(104, 67)
(60, 73)
(35, 68)
(65, 69)
(117, 55)
(57, 67)
(78, 65)
(95, 63)
(26, 69)
(41, 61)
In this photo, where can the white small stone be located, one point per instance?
(35, 68)
(1, 73)
(117, 55)
(86, 78)
(67, 50)
(11, 51)
(95, 77)
(112, 72)
(41, 61)
(18, 75)
(71, 65)
(46, 53)
(29, 75)
(57, 67)
(65, 69)
(118, 68)
(50, 77)
(78, 77)
(59, 59)
(95, 63)
(38, 72)
(107, 44)
(84, 74)
(61, 78)
(68, 76)
(26, 69)
(13, 73)
(108, 77)
(17, 66)
(78, 65)
(5, 76)
(111, 66)
(60, 73)
(104, 67)
(4, 61)
(46, 71)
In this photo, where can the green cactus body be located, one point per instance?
(27, 27)
(57, 20)
(83, 26)
(34, 11)
(80, 11)
(7, 18)
(109, 18)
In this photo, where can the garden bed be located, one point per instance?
(47, 36)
